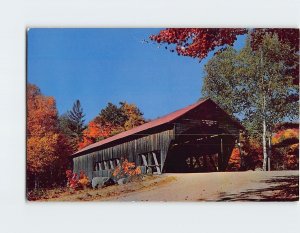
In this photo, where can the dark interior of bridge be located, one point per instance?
(196, 151)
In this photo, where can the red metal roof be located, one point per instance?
(157, 122)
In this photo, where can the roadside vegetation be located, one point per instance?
(258, 85)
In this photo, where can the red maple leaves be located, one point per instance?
(197, 42)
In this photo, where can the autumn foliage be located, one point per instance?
(234, 163)
(111, 121)
(74, 182)
(93, 133)
(126, 169)
(197, 42)
(286, 149)
(286, 137)
(46, 147)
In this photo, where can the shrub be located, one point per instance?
(83, 180)
(234, 163)
(75, 182)
(126, 170)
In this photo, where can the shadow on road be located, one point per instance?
(280, 188)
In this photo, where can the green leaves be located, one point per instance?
(240, 80)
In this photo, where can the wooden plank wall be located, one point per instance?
(210, 111)
(130, 150)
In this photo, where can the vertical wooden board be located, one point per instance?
(91, 165)
(131, 149)
(75, 167)
(145, 163)
(85, 163)
(85, 168)
(79, 163)
(162, 158)
(156, 163)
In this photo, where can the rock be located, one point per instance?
(123, 181)
(99, 182)
(109, 182)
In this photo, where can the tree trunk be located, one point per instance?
(36, 182)
(264, 136)
(270, 152)
(264, 146)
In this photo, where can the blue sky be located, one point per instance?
(98, 66)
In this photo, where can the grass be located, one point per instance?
(89, 194)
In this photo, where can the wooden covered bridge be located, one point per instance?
(197, 138)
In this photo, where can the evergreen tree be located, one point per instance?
(75, 121)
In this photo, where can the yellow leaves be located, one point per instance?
(294, 147)
(83, 180)
(285, 134)
(41, 151)
(41, 115)
(45, 145)
(134, 116)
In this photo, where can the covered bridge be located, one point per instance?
(197, 138)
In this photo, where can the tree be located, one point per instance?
(134, 117)
(112, 120)
(112, 114)
(76, 120)
(65, 127)
(255, 85)
(72, 125)
(120, 118)
(93, 133)
(197, 42)
(47, 148)
(285, 147)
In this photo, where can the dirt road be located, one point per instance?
(225, 186)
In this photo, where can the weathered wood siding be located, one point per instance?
(130, 150)
(210, 111)
(207, 120)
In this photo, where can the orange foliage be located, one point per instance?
(126, 169)
(83, 180)
(99, 128)
(41, 115)
(93, 133)
(286, 143)
(234, 163)
(75, 182)
(42, 133)
(285, 134)
(45, 145)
